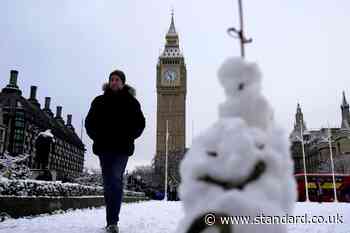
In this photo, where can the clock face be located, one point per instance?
(170, 75)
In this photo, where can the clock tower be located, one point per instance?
(171, 105)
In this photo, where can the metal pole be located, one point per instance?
(166, 162)
(304, 161)
(241, 33)
(332, 164)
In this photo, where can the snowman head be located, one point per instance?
(239, 77)
(228, 155)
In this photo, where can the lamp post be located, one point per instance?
(332, 164)
(138, 178)
(304, 161)
(166, 162)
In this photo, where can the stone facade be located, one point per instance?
(24, 119)
(2, 132)
(317, 147)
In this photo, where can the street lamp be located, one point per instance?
(329, 139)
(166, 162)
(301, 139)
(138, 178)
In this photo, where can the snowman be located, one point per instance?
(239, 166)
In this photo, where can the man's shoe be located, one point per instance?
(113, 228)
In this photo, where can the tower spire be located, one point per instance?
(299, 108)
(172, 29)
(299, 125)
(172, 48)
(345, 122)
(345, 103)
(299, 119)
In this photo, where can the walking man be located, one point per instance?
(114, 121)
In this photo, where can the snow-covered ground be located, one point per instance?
(158, 217)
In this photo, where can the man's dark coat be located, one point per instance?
(114, 121)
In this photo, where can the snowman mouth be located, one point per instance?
(255, 174)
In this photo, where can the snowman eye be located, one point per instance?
(260, 146)
(241, 86)
(212, 153)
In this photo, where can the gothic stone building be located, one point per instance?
(22, 119)
(2, 132)
(171, 108)
(316, 144)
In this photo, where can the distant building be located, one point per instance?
(23, 119)
(317, 152)
(2, 132)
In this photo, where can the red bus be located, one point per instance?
(321, 189)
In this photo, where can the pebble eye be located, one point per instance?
(260, 146)
(212, 153)
(241, 86)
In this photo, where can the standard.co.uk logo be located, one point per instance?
(212, 219)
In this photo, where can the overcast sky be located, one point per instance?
(67, 48)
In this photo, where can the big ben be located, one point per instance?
(171, 104)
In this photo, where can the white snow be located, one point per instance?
(46, 133)
(241, 81)
(244, 140)
(158, 217)
(8, 160)
(14, 167)
(19, 187)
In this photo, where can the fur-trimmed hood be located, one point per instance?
(127, 87)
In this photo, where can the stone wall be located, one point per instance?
(17, 206)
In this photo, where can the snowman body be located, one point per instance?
(240, 166)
